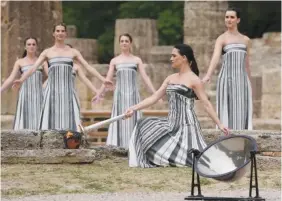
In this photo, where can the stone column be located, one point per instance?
(271, 94)
(144, 33)
(203, 23)
(21, 19)
(87, 47)
(72, 31)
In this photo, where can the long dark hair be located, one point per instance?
(186, 50)
(25, 52)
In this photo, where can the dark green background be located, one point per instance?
(96, 19)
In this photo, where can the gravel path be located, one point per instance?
(268, 194)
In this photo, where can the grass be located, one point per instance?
(109, 176)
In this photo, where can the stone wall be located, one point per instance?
(144, 34)
(88, 48)
(19, 20)
(47, 147)
(203, 23)
(271, 94)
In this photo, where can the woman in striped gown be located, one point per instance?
(126, 93)
(234, 92)
(167, 141)
(60, 106)
(30, 94)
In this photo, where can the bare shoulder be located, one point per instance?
(220, 40)
(45, 52)
(221, 37)
(247, 39)
(114, 60)
(168, 80)
(195, 80)
(137, 59)
(75, 51)
(171, 78)
(19, 62)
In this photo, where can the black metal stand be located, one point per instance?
(198, 185)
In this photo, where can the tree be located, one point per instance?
(169, 16)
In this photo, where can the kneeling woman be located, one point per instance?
(166, 141)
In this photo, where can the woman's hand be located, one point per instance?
(17, 84)
(98, 97)
(108, 84)
(129, 112)
(224, 129)
(206, 79)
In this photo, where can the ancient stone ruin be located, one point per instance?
(19, 20)
(203, 22)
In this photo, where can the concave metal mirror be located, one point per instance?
(227, 159)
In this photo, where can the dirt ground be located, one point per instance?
(113, 176)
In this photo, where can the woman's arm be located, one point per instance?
(93, 71)
(145, 77)
(8, 82)
(85, 80)
(45, 70)
(30, 71)
(200, 92)
(110, 75)
(248, 69)
(215, 59)
(150, 100)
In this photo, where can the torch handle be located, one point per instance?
(102, 123)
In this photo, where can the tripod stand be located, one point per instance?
(251, 187)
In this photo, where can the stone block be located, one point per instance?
(272, 38)
(22, 139)
(81, 90)
(256, 108)
(49, 156)
(7, 122)
(265, 163)
(160, 54)
(271, 106)
(18, 21)
(256, 83)
(9, 101)
(87, 47)
(85, 105)
(206, 5)
(198, 23)
(271, 81)
(144, 33)
(71, 31)
(267, 124)
(52, 139)
(267, 141)
(203, 50)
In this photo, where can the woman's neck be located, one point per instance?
(125, 53)
(60, 44)
(184, 69)
(233, 31)
(30, 56)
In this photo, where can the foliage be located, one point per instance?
(258, 17)
(96, 19)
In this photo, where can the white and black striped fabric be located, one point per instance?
(60, 106)
(29, 101)
(167, 141)
(234, 93)
(126, 95)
